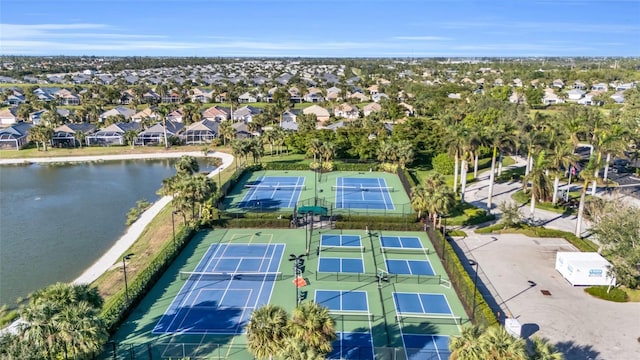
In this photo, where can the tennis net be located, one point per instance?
(414, 318)
(403, 250)
(362, 188)
(277, 187)
(341, 248)
(340, 316)
(211, 276)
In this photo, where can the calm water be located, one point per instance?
(55, 221)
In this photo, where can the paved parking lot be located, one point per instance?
(515, 268)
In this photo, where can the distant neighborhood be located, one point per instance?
(199, 104)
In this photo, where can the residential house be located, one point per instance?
(127, 97)
(45, 95)
(112, 134)
(333, 94)
(618, 97)
(517, 98)
(408, 109)
(289, 116)
(216, 113)
(245, 113)
(201, 132)
(454, 96)
(65, 135)
(15, 99)
(575, 94)
(557, 83)
(175, 116)
(599, 87)
(334, 126)
(200, 95)
(171, 97)
(242, 130)
(147, 113)
(371, 108)
(579, 85)
(66, 97)
(247, 98)
(220, 98)
(346, 111)
(8, 116)
(588, 99)
(358, 96)
(313, 97)
(118, 111)
(379, 97)
(321, 113)
(289, 125)
(624, 87)
(550, 98)
(517, 82)
(15, 137)
(151, 97)
(155, 134)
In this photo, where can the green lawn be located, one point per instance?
(483, 165)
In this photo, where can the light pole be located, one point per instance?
(297, 264)
(124, 268)
(173, 226)
(315, 187)
(475, 287)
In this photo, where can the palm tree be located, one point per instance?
(130, 137)
(541, 349)
(562, 158)
(500, 137)
(312, 325)
(386, 152)
(314, 148)
(227, 132)
(266, 331)
(455, 143)
(467, 345)
(187, 165)
(269, 137)
(587, 175)
(404, 152)
(80, 137)
(81, 330)
(614, 141)
(497, 343)
(419, 199)
(439, 198)
(540, 185)
(39, 328)
(327, 151)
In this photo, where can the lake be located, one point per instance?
(57, 220)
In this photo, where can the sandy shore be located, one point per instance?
(114, 254)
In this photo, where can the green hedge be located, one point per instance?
(254, 222)
(116, 309)
(615, 294)
(304, 165)
(376, 218)
(462, 282)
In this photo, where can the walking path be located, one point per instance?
(477, 192)
(114, 254)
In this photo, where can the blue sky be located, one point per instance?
(321, 28)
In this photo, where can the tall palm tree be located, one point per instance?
(39, 328)
(312, 325)
(561, 159)
(227, 132)
(187, 165)
(266, 331)
(541, 349)
(419, 199)
(327, 151)
(499, 137)
(467, 345)
(386, 152)
(314, 148)
(439, 198)
(455, 143)
(269, 137)
(404, 152)
(130, 137)
(614, 142)
(540, 184)
(587, 175)
(81, 330)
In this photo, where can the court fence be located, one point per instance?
(461, 281)
(210, 351)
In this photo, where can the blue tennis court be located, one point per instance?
(273, 192)
(229, 282)
(421, 304)
(409, 267)
(343, 300)
(363, 193)
(352, 345)
(401, 242)
(421, 347)
(347, 265)
(340, 240)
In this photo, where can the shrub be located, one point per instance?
(444, 164)
(456, 233)
(388, 167)
(327, 166)
(615, 294)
